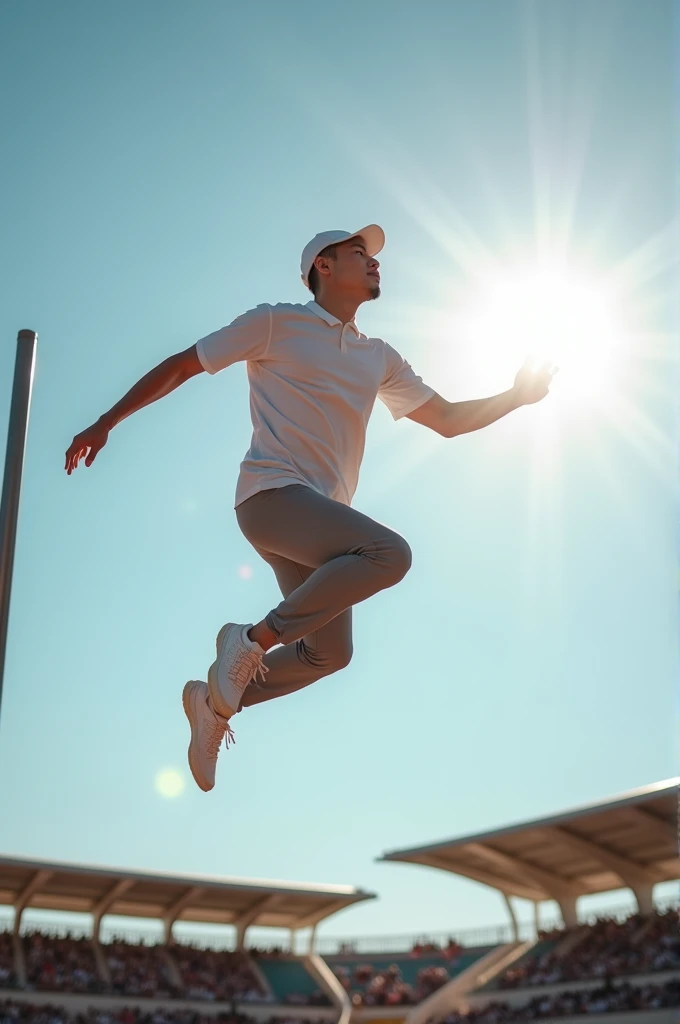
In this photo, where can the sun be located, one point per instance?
(549, 314)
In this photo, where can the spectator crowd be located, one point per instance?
(139, 970)
(216, 975)
(61, 964)
(451, 949)
(69, 964)
(608, 949)
(623, 998)
(369, 986)
(8, 978)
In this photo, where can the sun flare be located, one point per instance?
(549, 315)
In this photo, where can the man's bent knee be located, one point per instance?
(325, 661)
(401, 558)
(341, 657)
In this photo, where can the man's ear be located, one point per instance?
(322, 264)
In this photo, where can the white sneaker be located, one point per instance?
(207, 732)
(238, 660)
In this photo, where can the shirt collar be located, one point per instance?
(331, 320)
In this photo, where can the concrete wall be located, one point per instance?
(76, 1003)
(367, 1015)
(389, 1015)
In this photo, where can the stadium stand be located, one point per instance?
(290, 982)
(620, 965)
(8, 978)
(132, 974)
(610, 966)
(139, 970)
(625, 997)
(399, 980)
(60, 964)
(608, 949)
(216, 975)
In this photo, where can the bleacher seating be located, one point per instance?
(608, 949)
(623, 997)
(290, 982)
(614, 955)
(538, 958)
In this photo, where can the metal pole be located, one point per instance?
(11, 484)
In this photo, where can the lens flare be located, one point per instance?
(169, 783)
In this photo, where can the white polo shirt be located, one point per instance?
(313, 384)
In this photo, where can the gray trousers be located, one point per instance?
(326, 557)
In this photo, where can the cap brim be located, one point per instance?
(373, 236)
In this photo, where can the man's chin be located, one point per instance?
(374, 293)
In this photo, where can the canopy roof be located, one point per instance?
(628, 841)
(201, 898)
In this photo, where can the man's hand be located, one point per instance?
(532, 382)
(155, 384)
(87, 445)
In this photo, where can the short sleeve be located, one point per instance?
(402, 390)
(246, 338)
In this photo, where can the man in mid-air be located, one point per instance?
(313, 378)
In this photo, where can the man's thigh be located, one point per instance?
(304, 527)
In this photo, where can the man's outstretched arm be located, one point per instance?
(453, 418)
(159, 382)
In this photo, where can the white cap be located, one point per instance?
(373, 236)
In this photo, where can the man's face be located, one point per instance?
(354, 272)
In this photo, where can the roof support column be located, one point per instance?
(567, 905)
(311, 949)
(107, 901)
(537, 919)
(250, 916)
(173, 912)
(644, 896)
(241, 931)
(25, 896)
(513, 917)
(292, 941)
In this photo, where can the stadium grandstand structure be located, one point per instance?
(41, 964)
(630, 841)
(627, 968)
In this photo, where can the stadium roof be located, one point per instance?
(628, 841)
(78, 888)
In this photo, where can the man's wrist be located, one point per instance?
(515, 400)
(108, 420)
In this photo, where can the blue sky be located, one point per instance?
(164, 166)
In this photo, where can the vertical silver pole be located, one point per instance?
(11, 484)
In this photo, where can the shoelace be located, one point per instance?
(246, 668)
(229, 738)
(262, 669)
(214, 740)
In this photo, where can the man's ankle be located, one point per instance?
(261, 634)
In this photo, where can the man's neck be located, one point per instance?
(339, 306)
